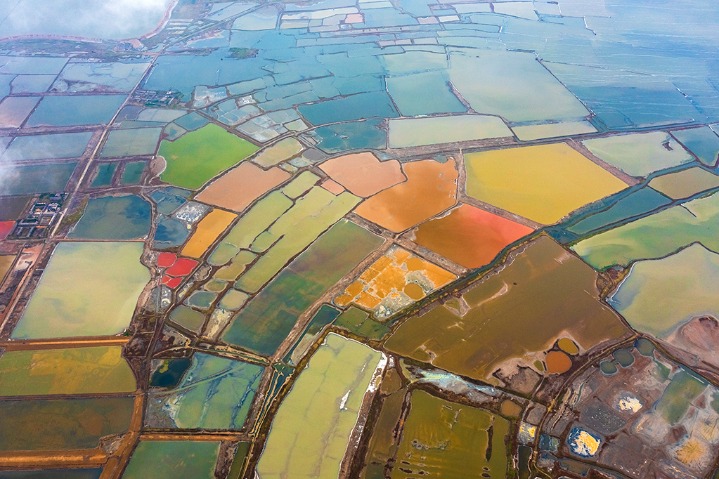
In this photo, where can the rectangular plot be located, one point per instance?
(75, 110)
(134, 142)
(43, 147)
(355, 107)
(62, 423)
(30, 179)
(410, 132)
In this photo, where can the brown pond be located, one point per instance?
(514, 316)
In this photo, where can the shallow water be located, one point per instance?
(42, 147)
(639, 154)
(309, 433)
(44, 178)
(409, 132)
(87, 289)
(214, 393)
(689, 274)
(75, 110)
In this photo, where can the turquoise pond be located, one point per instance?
(637, 203)
(75, 110)
(103, 175)
(114, 217)
(214, 393)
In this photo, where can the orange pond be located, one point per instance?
(469, 236)
(431, 188)
(363, 174)
(207, 231)
(393, 282)
(239, 187)
(557, 362)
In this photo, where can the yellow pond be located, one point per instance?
(310, 431)
(99, 369)
(543, 183)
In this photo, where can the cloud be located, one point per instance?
(113, 20)
(8, 171)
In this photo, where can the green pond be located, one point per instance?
(293, 232)
(359, 322)
(323, 317)
(187, 318)
(690, 275)
(198, 156)
(55, 424)
(173, 460)
(309, 433)
(267, 319)
(114, 218)
(655, 236)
